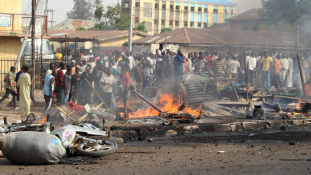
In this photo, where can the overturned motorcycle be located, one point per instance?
(83, 139)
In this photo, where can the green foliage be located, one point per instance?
(82, 9)
(113, 19)
(98, 13)
(288, 11)
(141, 27)
(81, 29)
(165, 30)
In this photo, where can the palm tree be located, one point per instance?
(98, 3)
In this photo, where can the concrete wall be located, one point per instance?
(12, 7)
(119, 41)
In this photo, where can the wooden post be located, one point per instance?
(33, 45)
(277, 103)
(301, 75)
(247, 79)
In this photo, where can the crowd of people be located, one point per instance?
(113, 72)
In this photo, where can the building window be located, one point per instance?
(191, 24)
(176, 23)
(171, 22)
(126, 5)
(245, 27)
(156, 21)
(156, 6)
(205, 25)
(186, 8)
(255, 27)
(163, 6)
(192, 9)
(205, 9)
(177, 7)
(163, 22)
(186, 24)
(148, 26)
(147, 9)
(215, 11)
(172, 7)
(136, 22)
(199, 25)
(200, 9)
(137, 4)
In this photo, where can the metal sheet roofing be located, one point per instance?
(248, 15)
(211, 37)
(89, 35)
(73, 24)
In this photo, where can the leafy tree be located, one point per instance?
(288, 11)
(141, 27)
(98, 3)
(165, 30)
(81, 29)
(98, 14)
(82, 9)
(113, 19)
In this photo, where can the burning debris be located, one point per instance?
(169, 111)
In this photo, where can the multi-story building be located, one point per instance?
(175, 14)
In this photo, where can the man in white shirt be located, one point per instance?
(289, 79)
(284, 65)
(252, 61)
(107, 82)
(233, 66)
(132, 63)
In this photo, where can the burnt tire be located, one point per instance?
(86, 149)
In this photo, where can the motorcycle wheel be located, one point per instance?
(92, 149)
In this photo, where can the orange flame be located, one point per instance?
(42, 121)
(167, 103)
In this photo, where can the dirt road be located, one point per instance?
(259, 154)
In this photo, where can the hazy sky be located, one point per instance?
(61, 7)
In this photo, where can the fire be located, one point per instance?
(42, 121)
(167, 103)
(298, 103)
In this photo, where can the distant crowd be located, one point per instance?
(111, 73)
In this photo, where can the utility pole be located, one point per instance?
(130, 26)
(33, 44)
(50, 10)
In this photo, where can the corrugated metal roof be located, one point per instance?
(73, 24)
(224, 38)
(248, 15)
(89, 35)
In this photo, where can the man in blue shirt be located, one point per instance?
(178, 64)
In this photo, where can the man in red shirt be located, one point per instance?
(59, 84)
(208, 60)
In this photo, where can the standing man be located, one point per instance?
(159, 54)
(9, 80)
(59, 56)
(289, 80)
(107, 81)
(233, 66)
(132, 63)
(265, 62)
(178, 64)
(67, 85)
(60, 90)
(277, 71)
(48, 89)
(283, 68)
(23, 89)
(17, 78)
(87, 90)
(77, 89)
